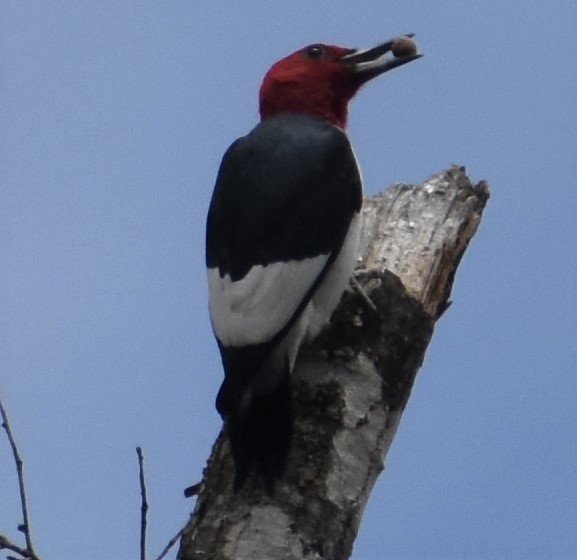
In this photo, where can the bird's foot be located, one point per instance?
(359, 289)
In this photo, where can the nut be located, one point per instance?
(403, 46)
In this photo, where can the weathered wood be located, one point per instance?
(351, 385)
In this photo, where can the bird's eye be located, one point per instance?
(315, 51)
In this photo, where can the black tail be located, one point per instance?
(260, 436)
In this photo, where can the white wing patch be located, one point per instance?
(329, 293)
(252, 310)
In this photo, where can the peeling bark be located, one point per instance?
(351, 385)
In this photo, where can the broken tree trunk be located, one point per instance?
(351, 385)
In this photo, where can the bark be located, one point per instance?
(351, 385)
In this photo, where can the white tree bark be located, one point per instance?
(351, 385)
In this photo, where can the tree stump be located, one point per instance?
(351, 385)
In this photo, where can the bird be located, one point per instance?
(282, 235)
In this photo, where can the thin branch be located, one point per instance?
(170, 544)
(7, 544)
(144, 504)
(25, 527)
(144, 511)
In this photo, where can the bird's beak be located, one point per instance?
(368, 63)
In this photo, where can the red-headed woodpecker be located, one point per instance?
(282, 240)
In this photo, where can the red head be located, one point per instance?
(322, 79)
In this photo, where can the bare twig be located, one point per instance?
(144, 511)
(170, 544)
(144, 504)
(25, 526)
(7, 544)
(193, 490)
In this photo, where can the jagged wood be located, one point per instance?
(351, 385)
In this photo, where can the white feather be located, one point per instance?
(327, 297)
(252, 310)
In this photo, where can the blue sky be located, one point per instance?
(114, 117)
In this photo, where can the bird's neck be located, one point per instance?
(323, 104)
